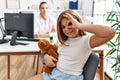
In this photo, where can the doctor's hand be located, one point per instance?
(49, 60)
(40, 35)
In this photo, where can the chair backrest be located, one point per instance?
(90, 67)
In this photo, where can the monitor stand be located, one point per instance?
(14, 38)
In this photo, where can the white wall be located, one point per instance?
(2, 7)
(85, 6)
(56, 7)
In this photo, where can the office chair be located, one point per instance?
(90, 67)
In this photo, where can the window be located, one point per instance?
(100, 8)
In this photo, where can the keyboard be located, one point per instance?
(28, 39)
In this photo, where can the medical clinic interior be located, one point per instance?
(25, 23)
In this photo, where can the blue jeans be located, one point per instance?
(58, 75)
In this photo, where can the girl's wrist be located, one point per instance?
(45, 55)
(78, 25)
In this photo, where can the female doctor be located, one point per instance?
(44, 23)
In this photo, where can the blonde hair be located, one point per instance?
(61, 36)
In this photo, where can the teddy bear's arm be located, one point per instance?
(52, 53)
(47, 69)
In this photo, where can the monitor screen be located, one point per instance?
(19, 25)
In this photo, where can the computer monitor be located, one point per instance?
(19, 25)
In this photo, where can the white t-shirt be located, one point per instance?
(44, 26)
(72, 58)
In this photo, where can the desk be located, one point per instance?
(30, 49)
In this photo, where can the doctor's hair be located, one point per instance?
(42, 4)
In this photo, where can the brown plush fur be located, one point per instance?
(49, 49)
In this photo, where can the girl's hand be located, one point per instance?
(72, 21)
(49, 60)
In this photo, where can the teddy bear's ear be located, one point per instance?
(43, 44)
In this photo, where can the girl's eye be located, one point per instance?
(70, 23)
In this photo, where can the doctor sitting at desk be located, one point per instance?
(44, 23)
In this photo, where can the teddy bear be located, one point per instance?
(49, 49)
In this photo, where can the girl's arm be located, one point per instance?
(49, 60)
(101, 33)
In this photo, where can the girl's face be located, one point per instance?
(68, 28)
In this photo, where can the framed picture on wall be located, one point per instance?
(13, 4)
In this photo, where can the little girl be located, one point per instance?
(74, 46)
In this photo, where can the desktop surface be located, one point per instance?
(32, 46)
(28, 39)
